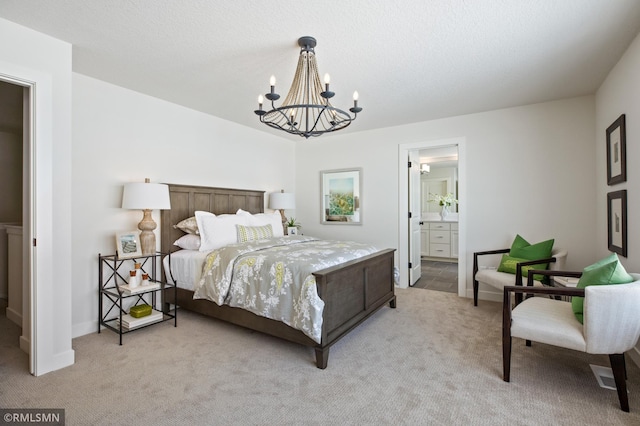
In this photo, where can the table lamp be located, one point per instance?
(282, 201)
(146, 197)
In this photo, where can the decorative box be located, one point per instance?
(140, 311)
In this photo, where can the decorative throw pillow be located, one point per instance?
(509, 264)
(519, 242)
(188, 242)
(252, 233)
(522, 249)
(606, 271)
(218, 231)
(188, 225)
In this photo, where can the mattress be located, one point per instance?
(186, 268)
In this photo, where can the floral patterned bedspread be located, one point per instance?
(273, 278)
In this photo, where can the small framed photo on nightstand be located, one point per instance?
(128, 244)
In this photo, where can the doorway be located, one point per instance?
(404, 235)
(48, 306)
(439, 211)
(14, 212)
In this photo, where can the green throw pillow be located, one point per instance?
(606, 271)
(509, 264)
(522, 249)
(519, 242)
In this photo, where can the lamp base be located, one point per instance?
(147, 236)
(284, 221)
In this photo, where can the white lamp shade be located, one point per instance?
(146, 196)
(282, 201)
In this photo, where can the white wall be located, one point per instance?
(620, 94)
(46, 62)
(122, 136)
(525, 175)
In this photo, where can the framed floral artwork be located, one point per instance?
(341, 197)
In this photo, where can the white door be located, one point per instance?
(415, 268)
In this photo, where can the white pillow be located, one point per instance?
(218, 231)
(199, 214)
(188, 242)
(274, 219)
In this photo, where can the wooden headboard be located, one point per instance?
(185, 200)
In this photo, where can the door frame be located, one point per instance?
(37, 207)
(403, 207)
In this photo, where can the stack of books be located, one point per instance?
(139, 289)
(129, 322)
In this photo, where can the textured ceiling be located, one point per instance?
(410, 61)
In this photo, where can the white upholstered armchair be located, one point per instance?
(488, 274)
(611, 322)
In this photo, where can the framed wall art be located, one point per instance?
(617, 152)
(128, 245)
(617, 221)
(341, 196)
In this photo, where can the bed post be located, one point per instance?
(322, 357)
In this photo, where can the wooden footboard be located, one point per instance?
(352, 292)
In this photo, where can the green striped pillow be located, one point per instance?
(251, 233)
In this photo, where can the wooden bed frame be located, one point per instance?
(352, 291)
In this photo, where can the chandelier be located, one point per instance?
(306, 110)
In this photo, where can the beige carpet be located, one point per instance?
(434, 360)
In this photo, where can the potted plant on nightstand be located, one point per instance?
(292, 226)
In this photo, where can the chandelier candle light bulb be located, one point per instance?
(273, 96)
(355, 108)
(327, 93)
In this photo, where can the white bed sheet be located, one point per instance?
(186, 267)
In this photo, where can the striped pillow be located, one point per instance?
(251, 233)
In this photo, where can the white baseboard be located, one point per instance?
(25, 344)
(486, 295)
(14, 317)
(84, 328)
